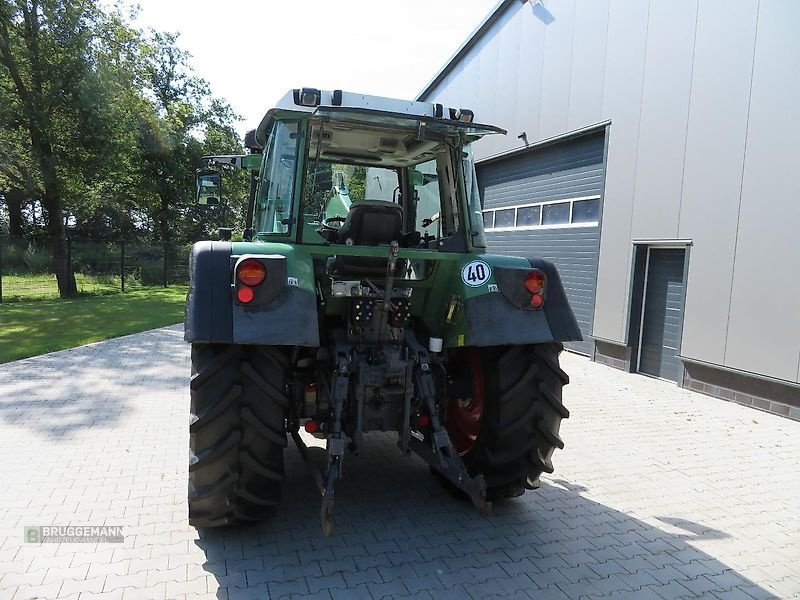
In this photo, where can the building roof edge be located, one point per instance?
(465, 47)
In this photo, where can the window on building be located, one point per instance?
(586, 211)
(528, 216)
(504, 218)
(555, 214)
(580, 212)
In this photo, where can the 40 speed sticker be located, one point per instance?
(476, 273)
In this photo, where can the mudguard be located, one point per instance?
(504, 318)
(288, 318)
(560, 317)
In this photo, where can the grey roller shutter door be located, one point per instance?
(663, 315)
(562, 171)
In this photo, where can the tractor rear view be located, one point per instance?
(362, 300)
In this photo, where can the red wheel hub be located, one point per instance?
(465, 409)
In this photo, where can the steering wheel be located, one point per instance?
(328, 223)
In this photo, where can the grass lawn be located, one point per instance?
(23, 288)
(29, 329)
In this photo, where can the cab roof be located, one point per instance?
(374, 111)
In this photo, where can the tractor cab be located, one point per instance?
(376, 169)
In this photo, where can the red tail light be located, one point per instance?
(251, 272)
(537, 301)
(245, 295)
(535, 282)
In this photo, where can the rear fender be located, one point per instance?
(502, 315)
(281, 314)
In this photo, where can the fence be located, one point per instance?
(27, 268)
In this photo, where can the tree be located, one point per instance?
(103, 126)
(51, 98)
(15, 198)
(107, 199)
(186, 124)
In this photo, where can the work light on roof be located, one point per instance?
(307, 97)
(465, 114)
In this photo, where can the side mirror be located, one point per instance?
(209, 188)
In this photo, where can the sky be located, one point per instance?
(254, 51)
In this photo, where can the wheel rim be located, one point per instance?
(466, 406)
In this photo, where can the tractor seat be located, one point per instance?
(369, 223)
(372, 222)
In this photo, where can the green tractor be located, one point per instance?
(363, 300)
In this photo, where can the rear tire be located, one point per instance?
(237, 433)
(522, 413)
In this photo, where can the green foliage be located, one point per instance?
(103, 125)
(18, 258)
(358, 183)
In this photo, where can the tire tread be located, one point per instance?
(521, 430)
(237, 433)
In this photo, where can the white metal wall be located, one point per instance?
(702, 99)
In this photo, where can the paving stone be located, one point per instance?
(578, 590)
(728, 581)
(486, 589)
(456, 592)
(645, 593)
(115, 595)
(524, 566)
(669, 591)
(482, 574)
(647, 499)
(605, 569)
(521, 583)
(576, 574)
(116, 582)
(434, 567)
(320, 595)
(551, 592)
(185, 588)
(423, 595)
(756, 592)
(379, 560)
(151, 592)
(342, 565)
(387, 590)
(257, 592)
(94, 585)
(450, 579)
(279, 589)
(358, 592)
(325, 582)
(559, 576)
(49, 590)
(310, 569)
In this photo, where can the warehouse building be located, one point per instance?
(653, 153)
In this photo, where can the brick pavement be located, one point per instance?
(660, 493)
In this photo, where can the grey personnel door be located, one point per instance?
(663, 314)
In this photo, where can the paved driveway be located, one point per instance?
(661, 493)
